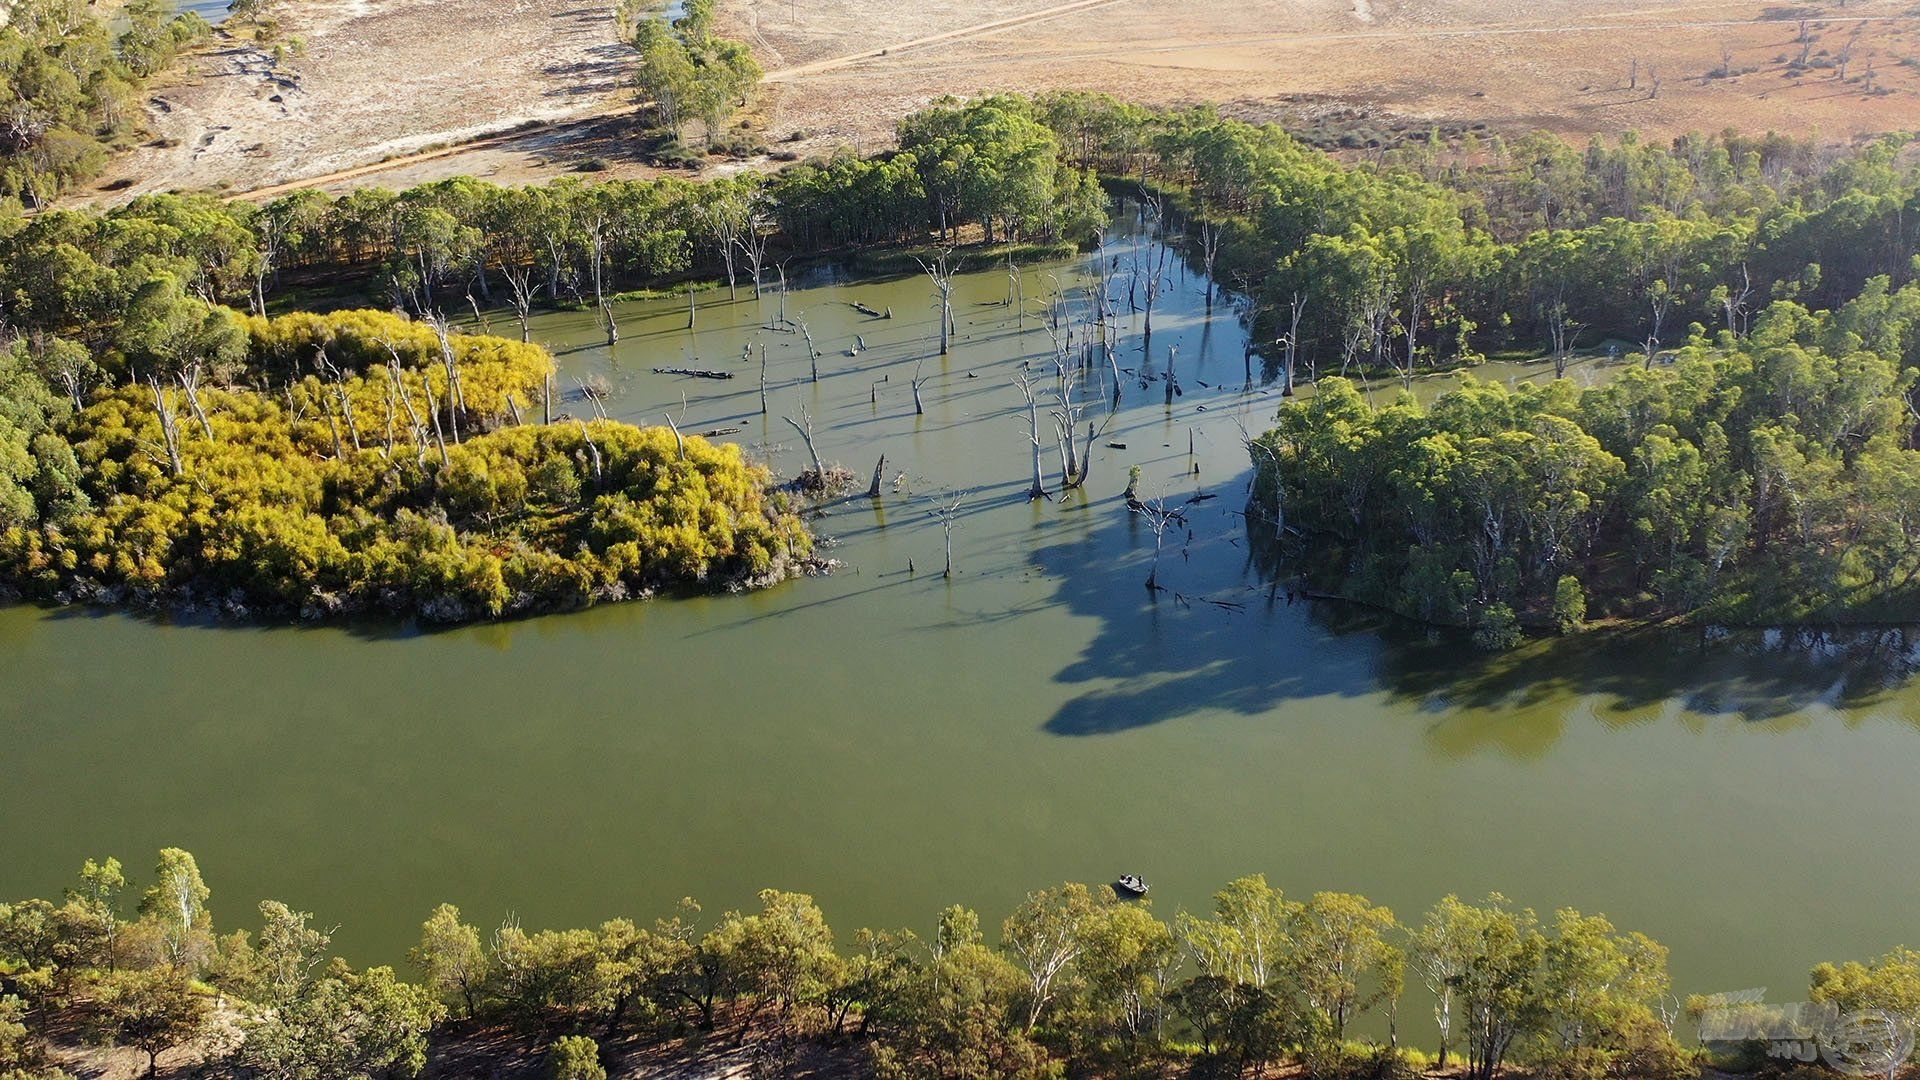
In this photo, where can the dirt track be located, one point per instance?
(387, 84)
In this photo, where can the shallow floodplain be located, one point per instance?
(892, 741)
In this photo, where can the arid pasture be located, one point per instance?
(400, 91)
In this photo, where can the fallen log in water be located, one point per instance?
(865, 310)
(697, 373)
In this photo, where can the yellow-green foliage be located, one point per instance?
(356, 351)
(270, 513)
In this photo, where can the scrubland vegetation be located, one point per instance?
(360, 462)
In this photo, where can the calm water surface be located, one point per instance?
(893, 742)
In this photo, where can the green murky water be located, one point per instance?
(893, 742)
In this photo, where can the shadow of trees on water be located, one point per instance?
(1224, 636)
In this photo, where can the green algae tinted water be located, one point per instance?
(893, 742)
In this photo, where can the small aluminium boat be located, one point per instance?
(1130, 885)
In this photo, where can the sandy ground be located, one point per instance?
(394, 81)
(378, 78)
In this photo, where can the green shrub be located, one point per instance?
(1497, 629)
(1569, 604)
(575, 1057)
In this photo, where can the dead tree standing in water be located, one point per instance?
(1016, 295)
(1156, 284)
(752, 242)
(806, 436)
(525, 290)
(948, 517)
(940, 271)
(1038, 489)
(813, 354)
(1153, 510)
(1209, 252)
(599, 226)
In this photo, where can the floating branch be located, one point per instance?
(697, 373)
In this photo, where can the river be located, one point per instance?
(892, 742)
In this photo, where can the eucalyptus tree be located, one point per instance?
(177, 902)
(1342, 958)
(1044, 935)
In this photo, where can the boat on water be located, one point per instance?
(1131, 885)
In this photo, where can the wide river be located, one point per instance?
(893, 742)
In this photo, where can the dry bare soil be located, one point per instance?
(1563, 65)
(376, 80)
(385, 85)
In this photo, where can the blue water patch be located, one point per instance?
(214, 11)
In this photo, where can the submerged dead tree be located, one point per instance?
(1038, 489)
(1016, 294)
(1153, 510)
(806, 436)
(598, 227)
(752, 242)
(1209, 253)
(1156, 284)
(939, 269)
(948, 516)
(524, 291)
(813, 354)
(1076, 461)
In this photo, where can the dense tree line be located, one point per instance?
(1437, 252)
(1076, 979)
(1765, 478)
(357, 462)
(70, 81)
(980, 170)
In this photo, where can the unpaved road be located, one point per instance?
(398, 92)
